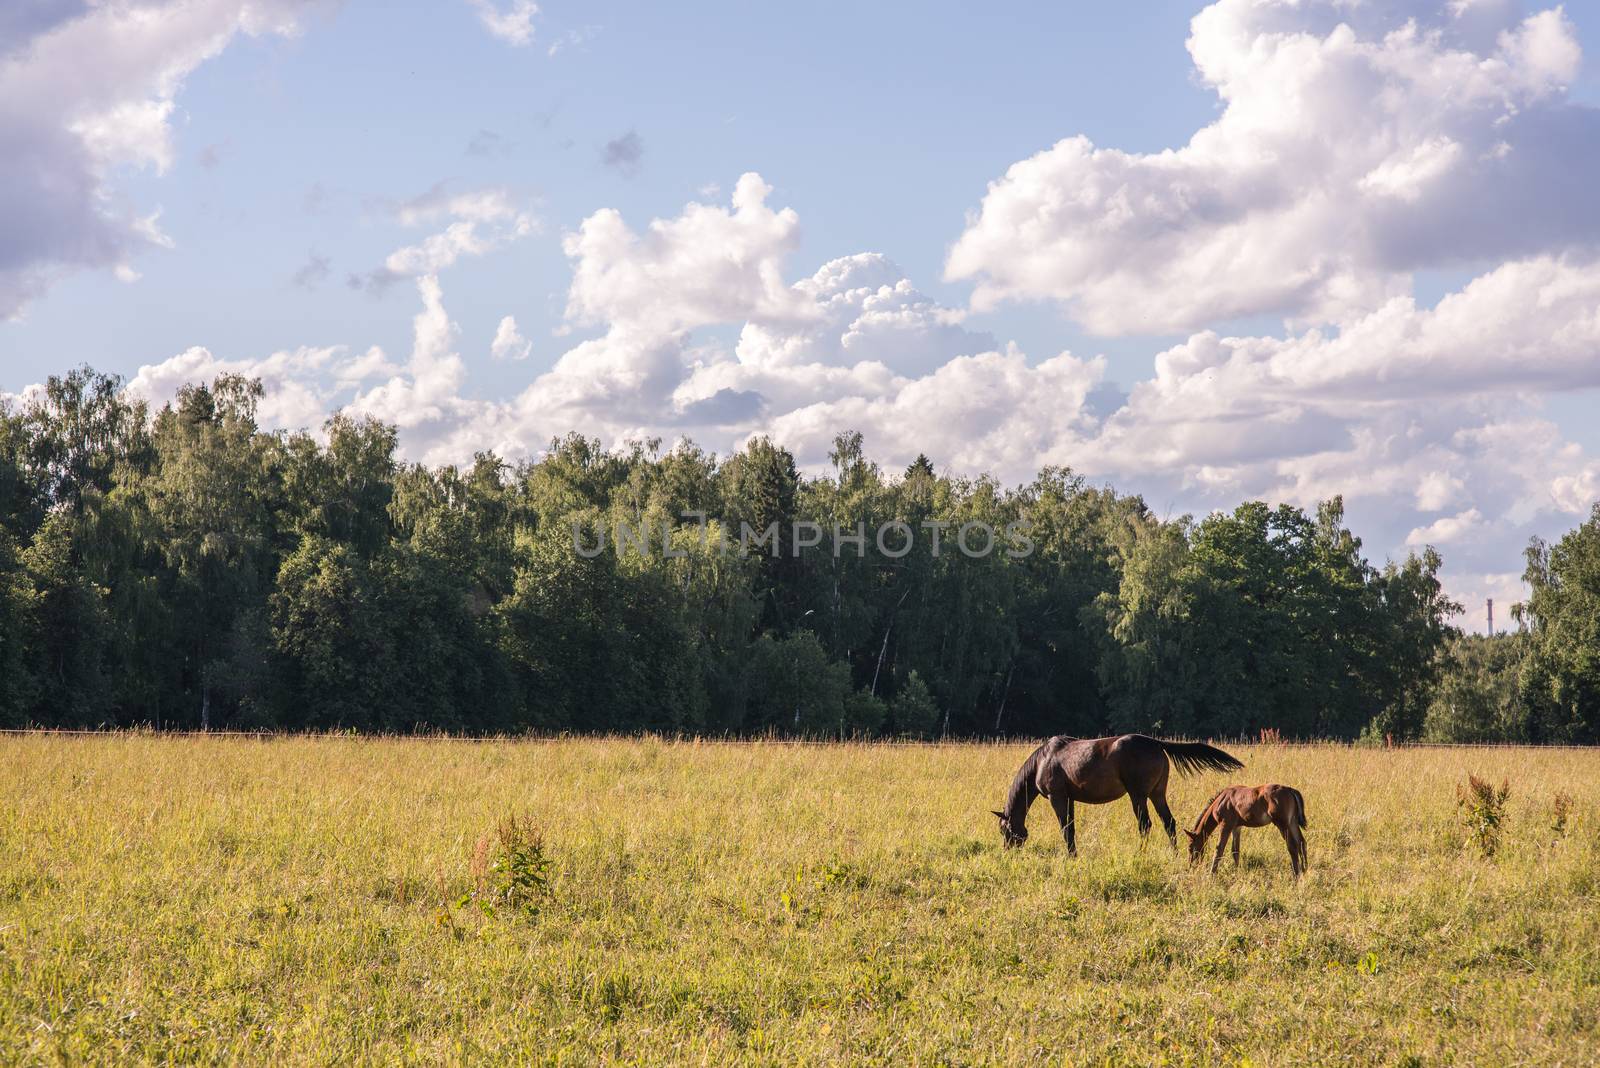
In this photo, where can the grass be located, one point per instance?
(317, 900)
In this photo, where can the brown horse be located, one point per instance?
(1252, 806)
(1097, 770)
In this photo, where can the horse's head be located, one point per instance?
(1012, 836)
(1197, 842)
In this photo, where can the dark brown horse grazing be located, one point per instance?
(1097, 770)
(1252, 806)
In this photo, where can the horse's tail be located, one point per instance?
(1194, 757)
(1299, 807)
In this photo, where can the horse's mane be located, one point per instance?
(1023, 790)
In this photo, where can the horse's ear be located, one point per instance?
(1001, 815)
(1192, 836)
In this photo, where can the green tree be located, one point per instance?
(18, 682)
(331, 645)
(1153, 667)
(795, 689)
(212, 500)
(69, 631)
(80, 428)
(913, 712)
(1478, 697)
(1561, 674)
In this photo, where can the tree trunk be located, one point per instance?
(885, 647)
(998, 716)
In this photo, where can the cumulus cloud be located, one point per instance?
(709, 265)
(427, 392)
(853, 344)
(1447, 529)
(480, 221)
(513, 25)
(1357, 144)
(302, 387)
(86, 89)
(1525, 327)
(294, 394)
(508, 343)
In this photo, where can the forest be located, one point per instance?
(184, 568)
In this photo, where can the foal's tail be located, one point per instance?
(1194, 757)
(1299, 807)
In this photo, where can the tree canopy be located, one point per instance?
(185, 568)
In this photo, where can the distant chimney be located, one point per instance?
(1491, 617)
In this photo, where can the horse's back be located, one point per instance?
(1080, 769)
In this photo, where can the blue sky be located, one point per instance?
(881, 124)
(308, 143)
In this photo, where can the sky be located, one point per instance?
(1259, 249)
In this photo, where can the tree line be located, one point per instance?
(184, 568)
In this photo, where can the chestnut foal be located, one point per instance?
(1252, 806)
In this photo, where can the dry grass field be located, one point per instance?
(331, 900)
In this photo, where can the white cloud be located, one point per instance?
(514, 25)
(1424, 408)
(493, 204)
(508, 343)
(709, 265)
(1447, 529)
(294, 396)
(1358, 143)
(85, 90)
(427, 392)
(1577, 491)
(854, 344)
(482, 221)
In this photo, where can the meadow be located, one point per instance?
(365, 901)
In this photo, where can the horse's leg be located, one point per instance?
(1222, 844)
(1063, 806)
(1159, 799)
(1141, 813)
(1236, 837)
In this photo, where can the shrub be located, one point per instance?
(1560, 810)
(1483, 811)
(511, 872)
(864, 715)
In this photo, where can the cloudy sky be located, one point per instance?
(1266, 248)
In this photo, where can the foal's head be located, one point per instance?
(1011, 836)
(1204, 824)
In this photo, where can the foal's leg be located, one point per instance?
(1294, 848)
(1159, 799)
(1063, 807)
(1222, 844)
(1236, 837)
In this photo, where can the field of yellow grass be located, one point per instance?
(333, 900)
